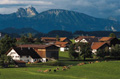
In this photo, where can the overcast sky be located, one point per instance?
(98, 8)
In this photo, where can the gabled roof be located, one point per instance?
(63, 38)
(90, 40)
(61, 44)
(25, 52)
(97, 45)
(106, 39)
(35, 46)
(81, 37)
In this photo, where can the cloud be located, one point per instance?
(25, 2)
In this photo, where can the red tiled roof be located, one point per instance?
(106, 39)
(61, 44)
(63, 38)
(97, 45)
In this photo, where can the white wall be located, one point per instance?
(43, 59)
(62, 49)
(94, 51)
(14, 55)
(76, 41)
(27, 59)
(84, 41)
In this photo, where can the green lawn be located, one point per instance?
(63, 55)
(73, 41)
(101, 70)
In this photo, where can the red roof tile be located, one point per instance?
(106, 39)
(63, 38)
(61, 44)
(97, 45)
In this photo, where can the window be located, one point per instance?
(12, 52)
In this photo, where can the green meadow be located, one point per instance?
(100, 70)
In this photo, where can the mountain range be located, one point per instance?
(56, 19)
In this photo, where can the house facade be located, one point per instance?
(79, 38)
(98, 45)
(46, 52)
(110, 40)
(48, 40)
(23, 54)
(65, 39)
(64, 46)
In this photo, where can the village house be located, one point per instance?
(65, 39)
(23, 54)
(48, 40)
(90, 40)
(46, 52)
(79, 38)
(52, 40)
(98, 45)
(64, 46)
(110, 40)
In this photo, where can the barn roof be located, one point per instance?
(97, 45)
(61, 44)
(106, 39)
(63, 38)
(25, 52)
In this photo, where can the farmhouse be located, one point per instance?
(110, 40)
(46, 52)
(49, 40)
(52, 40)
(23, 54)
(89, 40)
(79, 38)
(64, 46)
(98, 45)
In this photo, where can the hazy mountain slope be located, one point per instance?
(56, 19)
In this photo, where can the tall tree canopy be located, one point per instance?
(72, 53)
(84, 50)
(6, 43)
(112, 35)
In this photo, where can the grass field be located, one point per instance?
(101, 70)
